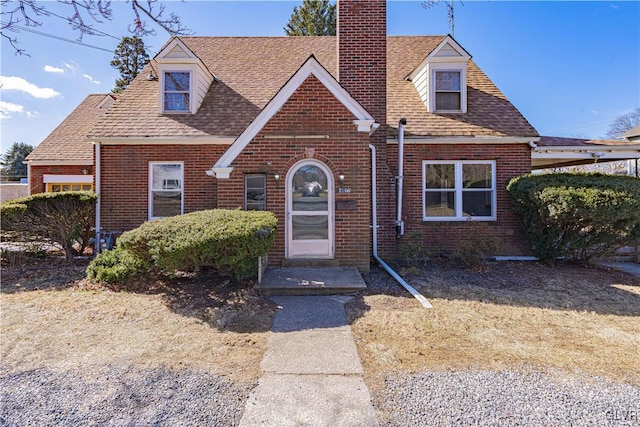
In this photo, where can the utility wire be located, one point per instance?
(61, 38)
(93, 30)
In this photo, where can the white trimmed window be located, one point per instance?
(176, 91)
(448, 88)
(57, 183)
(166, 193)
(448, 91)
(255, 192)
(459, 190)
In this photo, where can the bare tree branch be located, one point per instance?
(83, 15)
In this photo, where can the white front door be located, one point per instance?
(310, 211)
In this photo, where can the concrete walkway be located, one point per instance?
(312, 375)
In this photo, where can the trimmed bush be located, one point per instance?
(579, 215)
(228, 240)
(115, 266)
(65, 218)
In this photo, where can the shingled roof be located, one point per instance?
(251, 70)
(68, 141)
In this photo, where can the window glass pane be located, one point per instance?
(440, 176)
(309, 189)
(440, 203)
(176, 82)
(310, 227)
(447, 80)
(86, 187)
(166, 176)
(255, 192)
(448, 101)
(55, 188)
(477, 203)
(476, 176)
(167, 203)
(66, 187)
(176, 101)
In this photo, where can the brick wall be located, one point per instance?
(445, 237)
(311, 110)
(125, 180)
(362, 68)
(37, 172)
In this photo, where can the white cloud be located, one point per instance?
(20, 84)
(88, 77)
(52, 69)
(6, 108)
(70, 66)
(32, 114)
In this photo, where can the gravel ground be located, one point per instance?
(483, 398)
(120, 396)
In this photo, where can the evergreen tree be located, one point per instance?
(12, 165)
(313, 18)
(129, 58)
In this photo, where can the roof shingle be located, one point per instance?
(251, 70)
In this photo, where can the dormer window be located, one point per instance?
(448, 91)
(441, 79)
(184, 79)
(177, 85)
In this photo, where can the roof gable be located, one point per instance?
(363, 120)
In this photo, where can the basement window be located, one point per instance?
(165, 189)
(459, 190)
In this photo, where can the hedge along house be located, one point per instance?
(314, 130)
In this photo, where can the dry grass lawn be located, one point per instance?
(52, 318)
(508, 316)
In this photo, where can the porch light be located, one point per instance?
(276, 178)
(341, 179)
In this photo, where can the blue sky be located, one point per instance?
(570, 67)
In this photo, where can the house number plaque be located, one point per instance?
(344, 190)
(346, 205)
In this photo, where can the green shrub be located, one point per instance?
(65, 218)
(228, 240)
(115, 266)
(581, 216)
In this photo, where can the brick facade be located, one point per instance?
(36, 184)
(437, 237)
(328, 136)
(124, 186)
(362, 71)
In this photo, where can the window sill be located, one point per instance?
(459, 219)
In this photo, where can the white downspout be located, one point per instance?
(374, 209)
(400, 178)
(97, 245)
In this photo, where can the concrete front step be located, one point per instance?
(311, 281)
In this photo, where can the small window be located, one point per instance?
(165, 189)
(448, 91)
(459, 190)
(55, 187)
(176, 91)
(255, 193)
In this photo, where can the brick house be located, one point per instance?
(64, 160)
(359, 143)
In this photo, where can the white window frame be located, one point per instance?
(151, 189)
(448, 67)
(458, 190)
(177, 69)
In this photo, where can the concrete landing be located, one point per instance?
(312, 374)
(310, 281)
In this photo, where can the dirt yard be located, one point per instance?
(51, 317)
(508, 315)
(500, 316)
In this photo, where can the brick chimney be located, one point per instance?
(362, 53)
